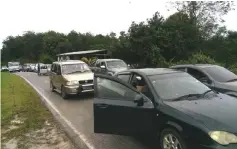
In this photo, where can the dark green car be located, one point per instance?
(180, 111)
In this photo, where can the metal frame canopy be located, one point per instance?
(87, 53)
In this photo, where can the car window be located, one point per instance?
(116, 64)
(102, 64)
(198, 75)
(124, 77)
(43, 66)
(174, 85)
(113, 90)
(220, 74)
(53, 68)
(59, 69)
(141, 85)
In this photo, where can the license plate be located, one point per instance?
(87, 87)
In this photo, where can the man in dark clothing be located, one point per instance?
(38, 68)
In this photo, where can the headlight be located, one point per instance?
(72, 83)
(223, 138)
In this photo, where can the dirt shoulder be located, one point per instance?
(25, 121)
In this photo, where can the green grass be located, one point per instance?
(18, 98)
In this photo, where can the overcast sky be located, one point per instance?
(95, 16)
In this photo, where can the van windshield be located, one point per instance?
(74, 68)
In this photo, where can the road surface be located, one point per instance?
(79, 111)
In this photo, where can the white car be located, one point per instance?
(43, 70)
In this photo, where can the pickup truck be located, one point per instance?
(109, 66)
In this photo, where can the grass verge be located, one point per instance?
(20, 101)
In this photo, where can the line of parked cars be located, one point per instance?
(183, 107)
(27, 67)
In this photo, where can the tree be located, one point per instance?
(206, 15)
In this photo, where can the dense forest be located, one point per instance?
(193, 34)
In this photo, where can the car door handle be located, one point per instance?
(102, 105)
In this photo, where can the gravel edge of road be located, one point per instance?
(73, 136)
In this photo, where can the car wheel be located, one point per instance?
(171, 139)
(63, 93)
(52, 87)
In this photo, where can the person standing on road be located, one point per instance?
(38, 68)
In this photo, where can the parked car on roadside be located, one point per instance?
(4, 69)
(32, 67)
(180, 111)
(214, 76)
(14, 66)
(43, 70)
(26, 67)
(109, 66)
(71, 77)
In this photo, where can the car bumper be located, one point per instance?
(73, 90)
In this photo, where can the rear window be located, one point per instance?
(220, 74)
(43, 67)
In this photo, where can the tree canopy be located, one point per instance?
(192, 34)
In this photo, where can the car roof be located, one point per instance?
(68, 62)
(194, 65)
(109, 59)
(154, 71)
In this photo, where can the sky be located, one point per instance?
(95, 16)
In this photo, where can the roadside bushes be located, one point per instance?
(198, 58)
(233, 68)
(46, 59)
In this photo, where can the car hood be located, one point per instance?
(230, 86)
(216, 113)
(79, 76)
(118, 69)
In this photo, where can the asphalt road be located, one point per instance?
(79, 111)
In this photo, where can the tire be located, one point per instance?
(51, 87)
(169, 133)
(64, 95)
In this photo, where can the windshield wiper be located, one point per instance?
(232, 80)
(203, 94)
(185, 97)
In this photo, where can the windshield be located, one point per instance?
(13, 64)
(171, 86)
(116, 64)
(220, 74)
(73, 68)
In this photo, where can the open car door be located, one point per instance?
(119, 108)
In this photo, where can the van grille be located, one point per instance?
(85, 82)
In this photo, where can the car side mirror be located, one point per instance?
(139, 100)
(102, 67)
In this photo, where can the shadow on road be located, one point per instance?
(149, 142)
(84, 96)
